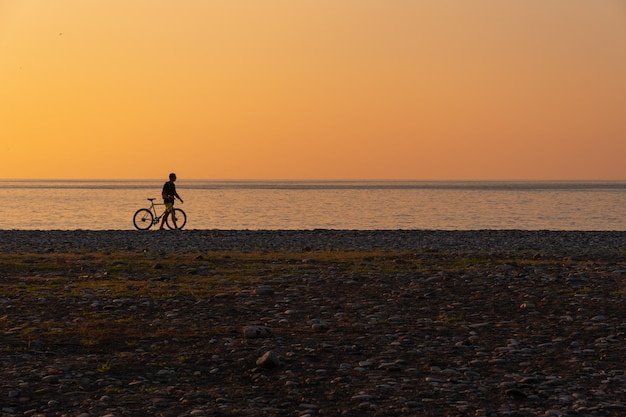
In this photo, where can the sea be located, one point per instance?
(307, 205)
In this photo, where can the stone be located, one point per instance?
(255, 332)
(264, 291)
(268, 360)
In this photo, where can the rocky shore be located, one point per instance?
(546, 242)
(308, 323)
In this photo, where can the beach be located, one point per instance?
(312, 322)
(558, 243)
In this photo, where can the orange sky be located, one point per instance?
(313, 89)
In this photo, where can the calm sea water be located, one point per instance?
(363, 205)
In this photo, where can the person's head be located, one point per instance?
(172, 177)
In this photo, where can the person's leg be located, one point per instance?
(167, 213)
(174, 218)
(168, 209)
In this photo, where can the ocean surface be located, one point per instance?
(302, 205)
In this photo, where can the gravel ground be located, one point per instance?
(483, 323)
(547, 242)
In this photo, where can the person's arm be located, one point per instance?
(178, 197)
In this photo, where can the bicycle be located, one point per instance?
(146, 217)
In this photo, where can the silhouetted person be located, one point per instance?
(169, 194)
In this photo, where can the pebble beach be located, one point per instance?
(546, 242)
(315, 322)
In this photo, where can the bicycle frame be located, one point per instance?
(153, 209)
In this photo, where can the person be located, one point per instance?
(169, 194)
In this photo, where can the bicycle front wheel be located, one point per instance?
(143, 219)
(177, 215)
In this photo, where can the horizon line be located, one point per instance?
(325, 180)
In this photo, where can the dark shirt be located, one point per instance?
(169, 190)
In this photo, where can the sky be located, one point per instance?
(313, 89)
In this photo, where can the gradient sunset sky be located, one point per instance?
(313, 89)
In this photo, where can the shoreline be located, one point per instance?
(482, 241)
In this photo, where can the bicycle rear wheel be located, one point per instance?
(181, 219)
(143, 219)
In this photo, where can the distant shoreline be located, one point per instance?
(610, 243)
(316, 184)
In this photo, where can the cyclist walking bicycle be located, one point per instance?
(169, 194)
